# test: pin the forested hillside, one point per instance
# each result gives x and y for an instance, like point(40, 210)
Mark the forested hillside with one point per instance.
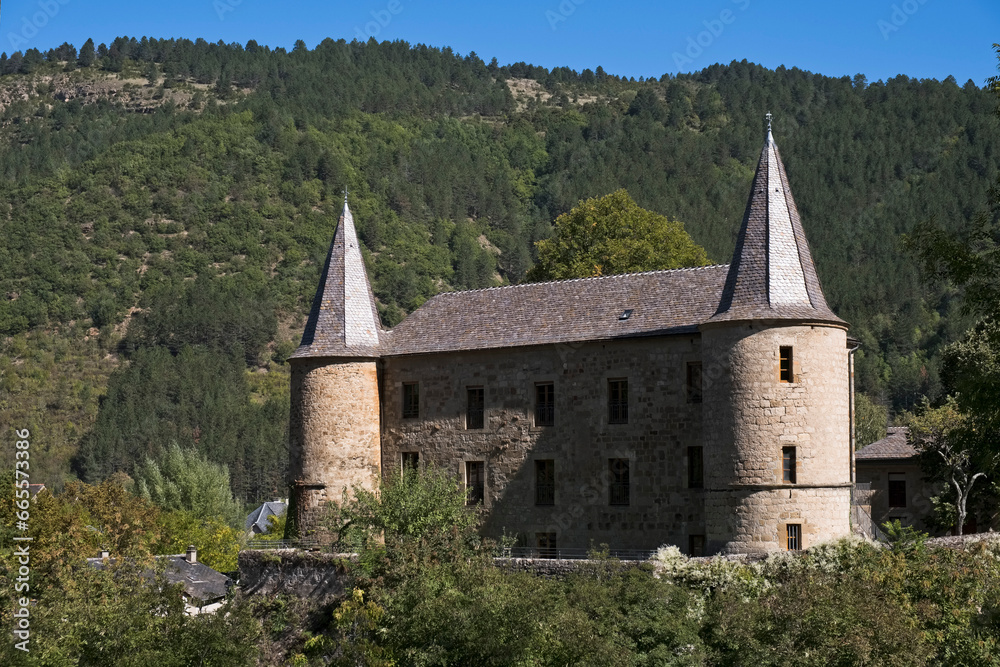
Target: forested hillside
point(169, 204)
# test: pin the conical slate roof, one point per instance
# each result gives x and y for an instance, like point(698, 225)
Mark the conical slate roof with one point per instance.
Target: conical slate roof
point(772, 275)
point(343, 321)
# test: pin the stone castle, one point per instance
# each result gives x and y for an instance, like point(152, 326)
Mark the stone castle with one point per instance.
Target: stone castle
point(709, 408)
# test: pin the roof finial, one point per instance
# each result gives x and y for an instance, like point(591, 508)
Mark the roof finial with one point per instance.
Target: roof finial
point(768, 117)
point(345, 195)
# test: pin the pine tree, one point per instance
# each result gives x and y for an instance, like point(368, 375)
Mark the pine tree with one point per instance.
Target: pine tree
point(86, 58)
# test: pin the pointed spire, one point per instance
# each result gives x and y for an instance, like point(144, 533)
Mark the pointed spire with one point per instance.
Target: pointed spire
point(772, 274)
point(343, 321)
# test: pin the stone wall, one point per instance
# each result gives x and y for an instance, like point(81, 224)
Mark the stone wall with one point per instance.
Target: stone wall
point(661, 425)
point(333, 433)
point(755, 521)
point(324, 576)
point(321, 576)
point(748, 413)
point(918, 492)
point(754, 415)
point(557, 568)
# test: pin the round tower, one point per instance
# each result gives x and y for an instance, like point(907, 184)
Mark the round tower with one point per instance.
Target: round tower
point(334, 429)
point(776, 388)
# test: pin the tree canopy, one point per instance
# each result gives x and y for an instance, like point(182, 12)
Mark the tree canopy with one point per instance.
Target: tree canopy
point(611, 235)
point(183, 479)
point(196, 211)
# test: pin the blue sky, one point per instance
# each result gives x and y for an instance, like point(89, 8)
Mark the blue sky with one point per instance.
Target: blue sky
point(878, 38)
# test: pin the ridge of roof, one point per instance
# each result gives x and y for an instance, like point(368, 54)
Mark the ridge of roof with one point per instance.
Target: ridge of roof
point(576, 280)
point(629, 305)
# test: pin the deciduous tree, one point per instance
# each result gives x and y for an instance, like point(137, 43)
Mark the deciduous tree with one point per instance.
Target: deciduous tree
point(610, 235)
point(183, 479)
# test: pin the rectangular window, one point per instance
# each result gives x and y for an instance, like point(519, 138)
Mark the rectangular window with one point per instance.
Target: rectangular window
point(619, 489)
point(785, 365)
point(696, 545)
point(617, 401)
point(788, 465)
point(793, 536)
point(546, 544)
point(545, 404)
point(411, 400)
point(475, 482)
point(411, 461)
point(696, 468)
point(545, 482)
point(694, 382)
point(474, 407)
point(897, 489)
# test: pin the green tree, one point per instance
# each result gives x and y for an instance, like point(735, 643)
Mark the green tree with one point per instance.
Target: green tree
point(611, 235)
point(128, 614)
point(814, 618)
point(210, 312)
point(966, 257)
point(951, 453)
point(87, 56)
point(184, 479)
point(870, 419)
point(152, 74)
point(218, 543)
point(972, 371)
point(416, 505)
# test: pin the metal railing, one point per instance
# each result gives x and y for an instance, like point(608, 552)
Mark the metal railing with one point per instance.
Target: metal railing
point(508, 552)
point(862, 493)
point(863, 523)
point(259, 544)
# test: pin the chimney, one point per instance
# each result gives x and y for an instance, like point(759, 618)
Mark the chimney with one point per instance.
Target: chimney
point(192, 555)
point(104, 554)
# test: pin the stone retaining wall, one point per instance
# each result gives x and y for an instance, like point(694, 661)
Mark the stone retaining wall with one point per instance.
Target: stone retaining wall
point(294, 572)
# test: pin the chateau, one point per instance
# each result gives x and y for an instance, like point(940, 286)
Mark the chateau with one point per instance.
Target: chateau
point(710, 408)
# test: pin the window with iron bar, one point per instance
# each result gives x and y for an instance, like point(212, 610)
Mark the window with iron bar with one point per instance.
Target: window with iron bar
point(545, 482)
point(474, 410)
point(619, 490)
point(617, 401)
point(694, 382)
point(793, 535)
point(545, 404)
point(475, 482)
point(411, 400)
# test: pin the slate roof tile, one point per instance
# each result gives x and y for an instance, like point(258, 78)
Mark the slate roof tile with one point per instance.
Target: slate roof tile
point(772, 277)
point(662, 302)
point(261, 514)
point(198, 580)
point(343, 321)
point(894, 446)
